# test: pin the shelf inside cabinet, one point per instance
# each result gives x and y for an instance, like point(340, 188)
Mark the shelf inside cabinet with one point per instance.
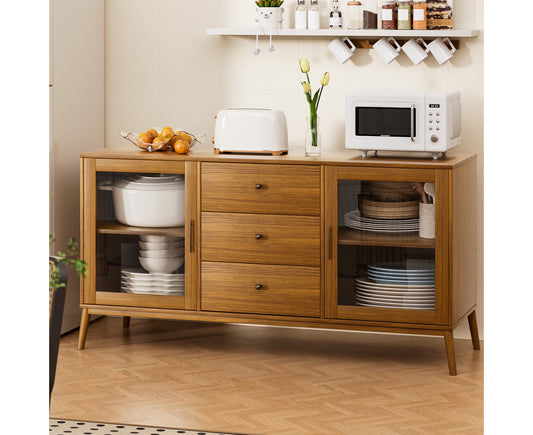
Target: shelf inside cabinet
point(114, 227)
point(364, 238)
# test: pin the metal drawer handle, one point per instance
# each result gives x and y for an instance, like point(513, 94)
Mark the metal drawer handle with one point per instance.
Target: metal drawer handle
point(258, 186)
point(258, 236)
point(258, 286)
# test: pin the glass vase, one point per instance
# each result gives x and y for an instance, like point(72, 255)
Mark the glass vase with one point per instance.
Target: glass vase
point(312, 137)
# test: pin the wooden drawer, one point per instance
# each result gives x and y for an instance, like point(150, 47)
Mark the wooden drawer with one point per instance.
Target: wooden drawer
point(265, 239)
point(260, 188)
point(261, 289)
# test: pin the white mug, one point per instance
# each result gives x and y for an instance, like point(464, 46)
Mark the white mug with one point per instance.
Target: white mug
point(388, 49)
point(413, 49)
point(442, 49)
point(342, 48)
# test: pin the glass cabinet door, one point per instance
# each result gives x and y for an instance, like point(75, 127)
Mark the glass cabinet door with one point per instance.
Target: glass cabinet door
point(142, 255)
point(383, 246)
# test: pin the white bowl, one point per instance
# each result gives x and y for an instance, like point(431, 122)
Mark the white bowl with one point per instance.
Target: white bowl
point(159, 239)
point(158, 246)
point(163, 253)
point(161, 265)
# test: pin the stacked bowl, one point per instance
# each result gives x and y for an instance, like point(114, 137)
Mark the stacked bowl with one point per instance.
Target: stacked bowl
point(161, 254)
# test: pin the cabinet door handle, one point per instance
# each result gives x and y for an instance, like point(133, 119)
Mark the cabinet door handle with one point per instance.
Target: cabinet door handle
point(258, 186)
point(191, 236)
point(258, 286)
point(413, 123)
point(258, 236)
point(330, 245)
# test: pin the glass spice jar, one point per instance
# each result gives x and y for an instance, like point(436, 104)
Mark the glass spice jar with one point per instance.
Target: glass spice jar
point(370, 14)
point(389, 14)
point(354, 15)
point(404, 15)
point(419, 15)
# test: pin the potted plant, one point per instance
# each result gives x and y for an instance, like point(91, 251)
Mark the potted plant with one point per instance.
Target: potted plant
point(269, 14)
point(58, 268)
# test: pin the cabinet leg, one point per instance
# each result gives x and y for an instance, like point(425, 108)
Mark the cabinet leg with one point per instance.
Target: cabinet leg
point(126, 321)
point(450, 353)
point(472, 322)
point(84, 325)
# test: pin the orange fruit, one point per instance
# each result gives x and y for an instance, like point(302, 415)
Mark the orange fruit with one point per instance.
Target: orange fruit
point(181, 135)
point(158, 139)
point(153, 132)
point(146, 137)
point(181, 146)
point(166, 132)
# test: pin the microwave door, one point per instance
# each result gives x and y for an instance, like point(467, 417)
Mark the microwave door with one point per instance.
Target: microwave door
point(388, 127)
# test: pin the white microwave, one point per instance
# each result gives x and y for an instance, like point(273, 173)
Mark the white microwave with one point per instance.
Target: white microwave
point(403, 121)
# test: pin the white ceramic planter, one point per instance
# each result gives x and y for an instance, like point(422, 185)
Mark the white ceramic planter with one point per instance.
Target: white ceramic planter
point(270, 18)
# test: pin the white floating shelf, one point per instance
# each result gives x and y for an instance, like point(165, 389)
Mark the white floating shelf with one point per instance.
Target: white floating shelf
point(356, 34)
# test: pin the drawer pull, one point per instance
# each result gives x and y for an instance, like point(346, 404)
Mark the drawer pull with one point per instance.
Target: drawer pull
point(258, 286)
point(258, 236)
point(258, 186)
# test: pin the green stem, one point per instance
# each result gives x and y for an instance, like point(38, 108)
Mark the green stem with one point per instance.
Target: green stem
point(319, 96)
point(313, 125)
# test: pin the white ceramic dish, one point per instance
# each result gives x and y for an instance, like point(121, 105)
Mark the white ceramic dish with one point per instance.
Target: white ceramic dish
point(163, 253)
point(159, 239)
point(150, 201)
point(148, 286)
point(158, 246)
point(161, 293)
point(407, 287)
point(391, 297)
point(161, 265)
point(404, 306)
point(140, 274)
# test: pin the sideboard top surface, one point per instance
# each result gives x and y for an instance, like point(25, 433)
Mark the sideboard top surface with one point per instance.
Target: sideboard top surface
point(341, 157)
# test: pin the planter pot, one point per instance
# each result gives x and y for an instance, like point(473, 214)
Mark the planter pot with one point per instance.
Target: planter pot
point(269, 18)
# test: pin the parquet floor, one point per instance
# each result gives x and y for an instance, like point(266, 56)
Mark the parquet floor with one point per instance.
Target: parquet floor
point(259, 380)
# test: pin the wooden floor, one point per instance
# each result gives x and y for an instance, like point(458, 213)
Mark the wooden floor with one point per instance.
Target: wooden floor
point(259, 380)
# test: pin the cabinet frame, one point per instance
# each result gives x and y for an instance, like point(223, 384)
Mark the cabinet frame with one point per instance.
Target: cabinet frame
point(455, 243)
point(106, 301)
point(438, 316)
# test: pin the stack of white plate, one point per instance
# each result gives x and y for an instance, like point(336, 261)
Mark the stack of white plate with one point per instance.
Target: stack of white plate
point(137, 280)
point(353, 219)
point(408, 284)
point(161, 254)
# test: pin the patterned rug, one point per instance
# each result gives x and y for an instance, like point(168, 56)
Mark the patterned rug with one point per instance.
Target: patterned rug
point(72, 427)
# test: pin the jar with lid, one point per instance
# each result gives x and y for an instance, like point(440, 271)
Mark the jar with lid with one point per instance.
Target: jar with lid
point(404, 15)
point(354, 15)
point(389, 14)
point(419, 14)
point(300, 15)
point(370, 14)
point(313, 16)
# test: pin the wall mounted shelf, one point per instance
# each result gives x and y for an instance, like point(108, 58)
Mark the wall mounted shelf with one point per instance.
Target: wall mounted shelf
point(356, 34)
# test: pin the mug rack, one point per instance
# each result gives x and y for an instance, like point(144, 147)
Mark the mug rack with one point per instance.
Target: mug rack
point(369, 43)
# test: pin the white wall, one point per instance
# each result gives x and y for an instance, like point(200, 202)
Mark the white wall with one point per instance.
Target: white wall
point(161, 68)
point(76, 120)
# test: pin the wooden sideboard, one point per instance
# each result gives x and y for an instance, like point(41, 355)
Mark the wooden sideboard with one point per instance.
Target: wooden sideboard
point(266, 242)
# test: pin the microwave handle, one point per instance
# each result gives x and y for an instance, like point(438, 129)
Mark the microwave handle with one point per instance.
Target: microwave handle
point(412, 123)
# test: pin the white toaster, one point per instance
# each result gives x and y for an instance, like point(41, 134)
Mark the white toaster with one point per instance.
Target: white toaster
point(262, 131)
